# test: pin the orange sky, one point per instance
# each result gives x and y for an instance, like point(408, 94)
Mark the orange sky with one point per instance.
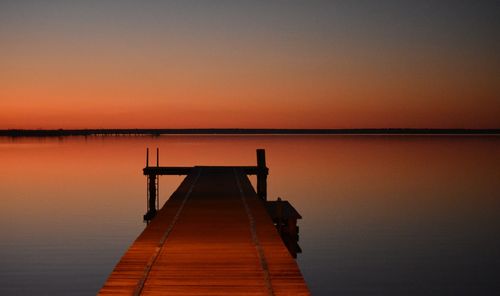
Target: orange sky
point(87, 66)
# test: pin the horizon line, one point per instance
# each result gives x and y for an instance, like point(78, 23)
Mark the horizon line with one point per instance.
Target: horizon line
point(243, 131)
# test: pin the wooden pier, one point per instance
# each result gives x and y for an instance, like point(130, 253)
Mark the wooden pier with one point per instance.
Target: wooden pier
point(214, 236)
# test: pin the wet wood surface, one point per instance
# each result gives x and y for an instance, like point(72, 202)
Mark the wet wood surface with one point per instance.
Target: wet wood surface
point(212, 237)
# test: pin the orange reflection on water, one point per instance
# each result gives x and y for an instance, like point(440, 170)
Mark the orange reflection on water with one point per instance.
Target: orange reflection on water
point(368, 202)
point(349, 163)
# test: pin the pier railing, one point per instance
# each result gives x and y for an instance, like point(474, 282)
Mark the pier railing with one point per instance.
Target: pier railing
point(153, 173)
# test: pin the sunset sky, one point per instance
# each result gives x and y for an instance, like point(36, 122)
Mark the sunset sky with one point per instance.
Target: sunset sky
point(249, 64)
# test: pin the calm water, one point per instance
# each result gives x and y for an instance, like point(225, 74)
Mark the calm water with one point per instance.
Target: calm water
point(382, 215)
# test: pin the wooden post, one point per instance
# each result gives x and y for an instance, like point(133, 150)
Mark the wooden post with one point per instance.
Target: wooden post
point(152, 180)
point(262, 174)
point(157, 184)
point(152, 193)
point(157, 156)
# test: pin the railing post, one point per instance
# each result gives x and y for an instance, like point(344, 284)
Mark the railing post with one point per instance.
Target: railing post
point(157, 184)
point(152, 193)
point(262, 172)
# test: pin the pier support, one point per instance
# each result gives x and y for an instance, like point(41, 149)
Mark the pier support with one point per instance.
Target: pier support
point(153, 184)
point(262, 172)
point(151, 198)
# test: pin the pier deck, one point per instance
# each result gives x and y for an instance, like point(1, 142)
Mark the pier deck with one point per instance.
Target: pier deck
point(212, 237)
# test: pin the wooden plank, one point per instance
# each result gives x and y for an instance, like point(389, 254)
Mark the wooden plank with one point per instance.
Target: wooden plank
point(152, 170)
point(212, 237)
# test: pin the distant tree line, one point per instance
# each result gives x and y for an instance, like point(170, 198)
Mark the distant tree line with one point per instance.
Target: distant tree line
point(239, 131)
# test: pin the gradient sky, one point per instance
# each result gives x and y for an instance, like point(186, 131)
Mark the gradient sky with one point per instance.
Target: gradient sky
point(289, 64)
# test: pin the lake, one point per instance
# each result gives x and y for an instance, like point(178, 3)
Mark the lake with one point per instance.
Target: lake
point(382, 215)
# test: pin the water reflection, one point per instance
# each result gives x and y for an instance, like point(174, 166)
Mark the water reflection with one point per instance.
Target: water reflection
point(382, 215)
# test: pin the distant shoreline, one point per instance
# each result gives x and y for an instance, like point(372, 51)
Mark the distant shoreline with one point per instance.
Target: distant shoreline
point(238, 131)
